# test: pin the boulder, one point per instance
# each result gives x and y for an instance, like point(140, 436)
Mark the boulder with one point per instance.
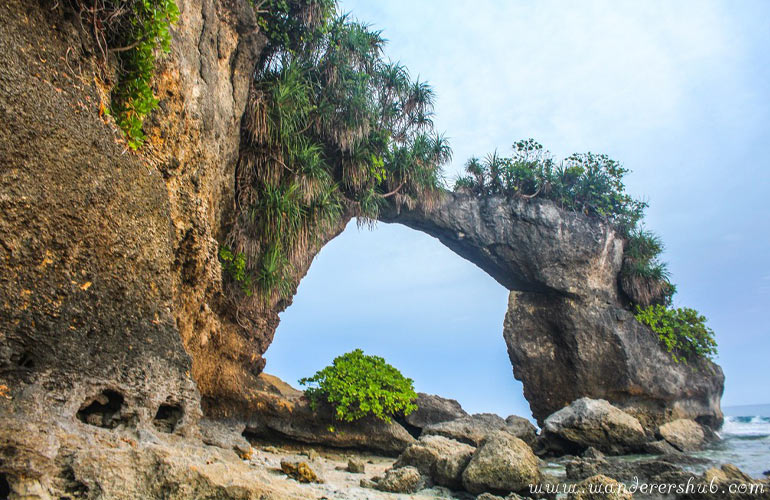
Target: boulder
point(356, 466)
point(402, 480)
point(473, 429)
point(621, 469)
point(300, 471)
point(503, 463)
point(440, 458)
point(595, 422)
point(661, 447)
point(522, 429)
point(683, 434)
point(599, 487)
point(432, 409)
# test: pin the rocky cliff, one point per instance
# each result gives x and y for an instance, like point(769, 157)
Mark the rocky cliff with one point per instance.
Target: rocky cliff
point(114, 320)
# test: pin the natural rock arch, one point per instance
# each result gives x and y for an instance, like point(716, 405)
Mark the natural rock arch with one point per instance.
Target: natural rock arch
point(568, 330)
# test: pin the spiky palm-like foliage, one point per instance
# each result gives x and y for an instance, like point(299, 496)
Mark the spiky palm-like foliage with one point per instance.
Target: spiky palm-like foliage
point(644, 278)
point(588, 183)
point(331, 129)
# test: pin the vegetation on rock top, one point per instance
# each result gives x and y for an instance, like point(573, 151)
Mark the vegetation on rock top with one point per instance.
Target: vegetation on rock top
point(358, 385)
point(592, 184)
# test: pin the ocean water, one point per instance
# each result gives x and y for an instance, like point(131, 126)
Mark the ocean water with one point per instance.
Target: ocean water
point(745, 440)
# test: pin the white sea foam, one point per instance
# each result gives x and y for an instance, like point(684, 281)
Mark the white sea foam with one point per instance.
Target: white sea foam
point(746, 426)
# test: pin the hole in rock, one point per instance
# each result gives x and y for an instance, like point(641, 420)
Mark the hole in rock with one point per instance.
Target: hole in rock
point(103, 410)
point(167, 417)
point(71, 485)
point(24, 360)
point(401, 294)
point(5, 488)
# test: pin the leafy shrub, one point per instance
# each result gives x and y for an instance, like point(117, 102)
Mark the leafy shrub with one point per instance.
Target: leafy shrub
point(644, 278)
point(357, 385)
point(235, 267)
point(682, 331)
point(134, 30)
point(132, 97)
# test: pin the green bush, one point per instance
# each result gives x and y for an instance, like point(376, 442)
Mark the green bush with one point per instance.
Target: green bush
point(234, 266)
point(357, 385)
point(682, 331)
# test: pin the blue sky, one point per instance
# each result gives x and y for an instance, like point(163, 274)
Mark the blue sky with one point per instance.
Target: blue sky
point(677, 91)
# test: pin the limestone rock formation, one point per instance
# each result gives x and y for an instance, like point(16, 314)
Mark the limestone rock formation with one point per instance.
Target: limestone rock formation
point(402, 480)
point(600, 487)
point(440, 458)
point(568, 331)
point(595, 422)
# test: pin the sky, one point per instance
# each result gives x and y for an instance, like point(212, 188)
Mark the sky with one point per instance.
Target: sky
point(679, 92)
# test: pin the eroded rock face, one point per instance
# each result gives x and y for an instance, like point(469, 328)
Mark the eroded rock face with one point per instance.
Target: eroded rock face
point(108, 255)
point(568, 331)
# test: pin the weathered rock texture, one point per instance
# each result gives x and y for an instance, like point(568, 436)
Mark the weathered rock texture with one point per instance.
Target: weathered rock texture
point(472, 429)
point(568, 331)
point(109, 277)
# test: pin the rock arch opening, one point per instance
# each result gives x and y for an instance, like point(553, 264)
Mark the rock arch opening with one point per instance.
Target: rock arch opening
point(401, 294)
point(568, 329)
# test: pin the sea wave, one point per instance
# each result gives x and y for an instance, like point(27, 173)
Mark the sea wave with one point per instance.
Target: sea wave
point(745, 427)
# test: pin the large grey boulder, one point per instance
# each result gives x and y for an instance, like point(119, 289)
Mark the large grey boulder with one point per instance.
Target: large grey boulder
point(521, 428)
point(432, 409)
point(503, 463)
point(440, 458)
point(473, 429)
point(683, 434)
point(595, 422)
